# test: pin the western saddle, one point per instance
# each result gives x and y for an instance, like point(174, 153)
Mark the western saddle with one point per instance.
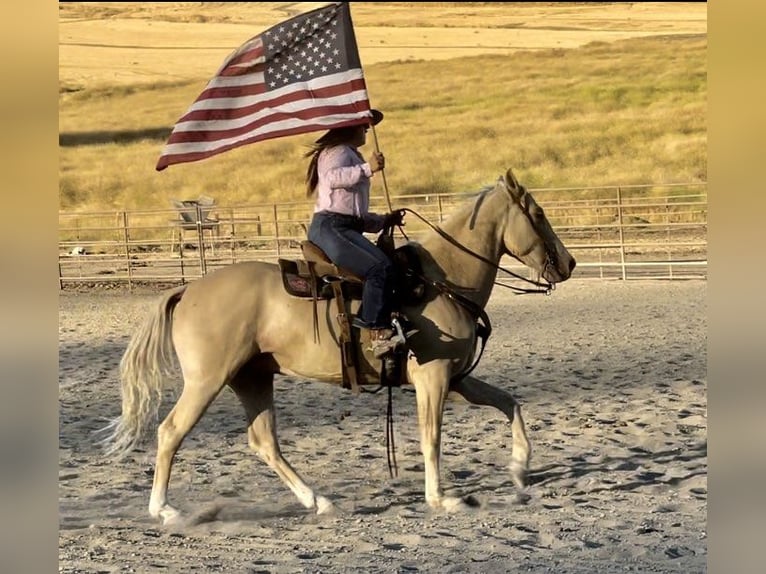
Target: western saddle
point(316, 277)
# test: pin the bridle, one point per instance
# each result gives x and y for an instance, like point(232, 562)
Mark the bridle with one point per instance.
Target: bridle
point(544, 288)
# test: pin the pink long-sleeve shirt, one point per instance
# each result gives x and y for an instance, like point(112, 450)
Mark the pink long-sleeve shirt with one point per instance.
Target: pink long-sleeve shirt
point(343, 185)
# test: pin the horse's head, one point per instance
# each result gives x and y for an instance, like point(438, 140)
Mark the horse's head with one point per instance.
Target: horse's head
point(528, 236)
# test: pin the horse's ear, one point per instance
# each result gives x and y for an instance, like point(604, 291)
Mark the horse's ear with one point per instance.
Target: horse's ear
point(513, 185)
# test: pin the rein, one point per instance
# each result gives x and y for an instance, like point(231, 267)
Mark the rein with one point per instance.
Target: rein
point(483, 329)
point(544, 288)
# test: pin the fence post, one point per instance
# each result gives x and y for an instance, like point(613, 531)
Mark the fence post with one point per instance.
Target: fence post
point(201, 242)
point(668, 238)
point(181, 260)
point(621, 232)
point(233, 234)
point(276, 230)
point(439, 206)
point(599, 223)
point(126, 238)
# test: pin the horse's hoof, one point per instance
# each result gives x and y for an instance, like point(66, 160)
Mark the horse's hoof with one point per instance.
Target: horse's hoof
point(453, 504)
point(170, 516)
point(324, 506)
point(518, 474)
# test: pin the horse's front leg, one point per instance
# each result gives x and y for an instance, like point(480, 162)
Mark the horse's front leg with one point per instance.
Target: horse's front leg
point(431, 389)
point(478, 392)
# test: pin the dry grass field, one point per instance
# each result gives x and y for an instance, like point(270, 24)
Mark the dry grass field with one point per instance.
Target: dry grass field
point(102, 44)
point(566, 94)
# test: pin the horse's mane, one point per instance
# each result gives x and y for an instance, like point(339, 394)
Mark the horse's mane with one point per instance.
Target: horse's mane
point(481, 194)
point(417, 253)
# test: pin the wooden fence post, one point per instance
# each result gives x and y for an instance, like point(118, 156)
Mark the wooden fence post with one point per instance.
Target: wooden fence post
point(126, 238)
point(233, 237)
point(668, 236)
point(276, 229)
point(201, 242)
point(621, 233)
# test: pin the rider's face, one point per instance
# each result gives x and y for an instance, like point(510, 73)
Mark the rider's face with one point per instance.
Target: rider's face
point(360, 137)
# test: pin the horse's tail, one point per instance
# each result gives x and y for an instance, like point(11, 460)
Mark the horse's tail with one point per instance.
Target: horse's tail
point(146, 364)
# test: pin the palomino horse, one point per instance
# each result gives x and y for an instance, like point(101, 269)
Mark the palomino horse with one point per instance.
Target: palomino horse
point(239, 327)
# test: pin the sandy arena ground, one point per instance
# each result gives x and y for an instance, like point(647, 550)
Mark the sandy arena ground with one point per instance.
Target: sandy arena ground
point(612, 378)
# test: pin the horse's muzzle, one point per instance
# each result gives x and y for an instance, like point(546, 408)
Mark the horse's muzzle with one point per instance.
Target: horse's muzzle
point(560, 272)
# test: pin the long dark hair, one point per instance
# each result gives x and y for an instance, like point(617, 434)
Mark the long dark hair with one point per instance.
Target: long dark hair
point(335, 136)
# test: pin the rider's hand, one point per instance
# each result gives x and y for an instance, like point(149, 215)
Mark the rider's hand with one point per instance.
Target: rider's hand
point(394, 218)
point(376, 161)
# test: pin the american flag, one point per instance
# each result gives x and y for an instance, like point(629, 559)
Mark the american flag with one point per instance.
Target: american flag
point(299, 76)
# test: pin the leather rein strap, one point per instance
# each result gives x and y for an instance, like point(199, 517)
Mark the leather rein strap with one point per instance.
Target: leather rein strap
point(483, 324)
point(543, 288)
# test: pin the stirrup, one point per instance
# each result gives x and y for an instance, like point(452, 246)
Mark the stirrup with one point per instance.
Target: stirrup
point(382, 347)
point(399, 332)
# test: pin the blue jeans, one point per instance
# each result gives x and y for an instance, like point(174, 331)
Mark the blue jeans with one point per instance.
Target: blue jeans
point(340, 237)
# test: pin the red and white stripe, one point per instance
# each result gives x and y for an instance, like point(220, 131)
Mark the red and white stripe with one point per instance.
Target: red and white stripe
point(236, 108)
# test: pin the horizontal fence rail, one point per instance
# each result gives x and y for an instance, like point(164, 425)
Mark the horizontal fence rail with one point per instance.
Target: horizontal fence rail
point(614, 232)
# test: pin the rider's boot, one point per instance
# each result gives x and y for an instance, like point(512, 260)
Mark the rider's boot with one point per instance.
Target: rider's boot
point(384, 342)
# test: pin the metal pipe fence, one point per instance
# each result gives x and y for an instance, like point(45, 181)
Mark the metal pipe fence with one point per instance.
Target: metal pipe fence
point(614, 232)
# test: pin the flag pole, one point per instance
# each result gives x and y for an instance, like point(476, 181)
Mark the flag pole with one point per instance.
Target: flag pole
point(382, 171)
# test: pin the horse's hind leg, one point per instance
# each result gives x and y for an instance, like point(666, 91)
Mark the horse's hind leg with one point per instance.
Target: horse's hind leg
point(478, 392)
point(194, 400)
point(256, 392)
